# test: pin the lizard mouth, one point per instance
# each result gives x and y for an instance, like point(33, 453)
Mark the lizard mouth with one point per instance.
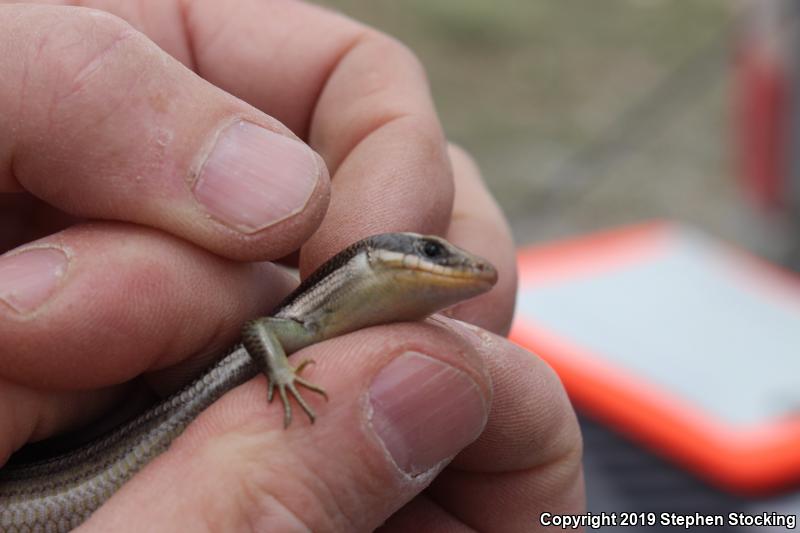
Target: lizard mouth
point(470, 269)
point(476, 271)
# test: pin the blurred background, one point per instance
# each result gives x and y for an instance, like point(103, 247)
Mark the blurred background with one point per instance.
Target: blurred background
point(586, 115)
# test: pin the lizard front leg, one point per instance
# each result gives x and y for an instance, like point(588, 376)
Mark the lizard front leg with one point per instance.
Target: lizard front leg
point(261, 338)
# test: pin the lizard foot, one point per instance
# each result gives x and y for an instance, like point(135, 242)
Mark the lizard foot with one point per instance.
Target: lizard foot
point(287, 380)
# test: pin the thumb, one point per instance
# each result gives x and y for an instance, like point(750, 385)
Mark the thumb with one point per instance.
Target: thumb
point(101, 123)
point(405, 399)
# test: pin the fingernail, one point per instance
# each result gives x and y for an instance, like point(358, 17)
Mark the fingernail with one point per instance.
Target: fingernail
point(425, 411)
point(254, 178)
point(29, 278)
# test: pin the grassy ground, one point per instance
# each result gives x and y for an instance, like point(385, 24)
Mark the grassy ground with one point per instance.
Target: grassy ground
point(584, 114)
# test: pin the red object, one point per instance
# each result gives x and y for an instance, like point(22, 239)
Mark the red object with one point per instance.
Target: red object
point(762, 109)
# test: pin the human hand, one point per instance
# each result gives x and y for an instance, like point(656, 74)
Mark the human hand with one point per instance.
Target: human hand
point(147, 290)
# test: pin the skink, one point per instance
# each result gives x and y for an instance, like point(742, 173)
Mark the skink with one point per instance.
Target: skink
point(384, 278)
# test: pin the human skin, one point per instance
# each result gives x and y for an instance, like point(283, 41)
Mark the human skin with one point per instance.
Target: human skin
point(152, 162)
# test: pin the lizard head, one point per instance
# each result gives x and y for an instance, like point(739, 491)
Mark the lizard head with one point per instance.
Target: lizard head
point(430, 263)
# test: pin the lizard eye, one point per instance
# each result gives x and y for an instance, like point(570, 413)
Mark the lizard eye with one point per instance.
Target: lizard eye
point(432, 249)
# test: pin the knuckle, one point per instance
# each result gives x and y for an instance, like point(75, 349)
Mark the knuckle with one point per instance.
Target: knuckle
point(396, 52)
point(390, 62)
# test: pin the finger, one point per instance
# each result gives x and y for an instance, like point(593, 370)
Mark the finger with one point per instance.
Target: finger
point(478, 225)
point(100, 303)
point(28, 415)
point(360, 98)
point(404, 399)
point(111, 127)
point(528, 459)
point(391, 170)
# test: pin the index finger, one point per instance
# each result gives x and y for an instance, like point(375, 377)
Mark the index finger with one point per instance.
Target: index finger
point(358, 97)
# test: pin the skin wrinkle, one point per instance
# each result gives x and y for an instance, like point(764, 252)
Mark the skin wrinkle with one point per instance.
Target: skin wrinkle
point(213, 520)
point(174, 342)
point(123, 97)
point(403, 182)
point(139, 10)
point(131, 285)
point(298, 113)
point(40, 424)
point(338, 510)
point(552, 423)
point(6, 306)
point(379, 124)
point(41, 50)
point(255, 522)
point(335, 65)
point(457, 478)
point(98, 61)
point(13, 423)
point(339, 504)
point(310, 483)
point(17, 118)
point(31, 425)
point(461, 526)
point(570, 456)
point(44, 421)
point(130, 88)
point(443, 520)
point(258, 490)
point(209, 41)
point(188, 33)
point(217, 337)
point(12, 174)
point(82, 79)
point(246, 91)
point(377, 121)
point(552, 472)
